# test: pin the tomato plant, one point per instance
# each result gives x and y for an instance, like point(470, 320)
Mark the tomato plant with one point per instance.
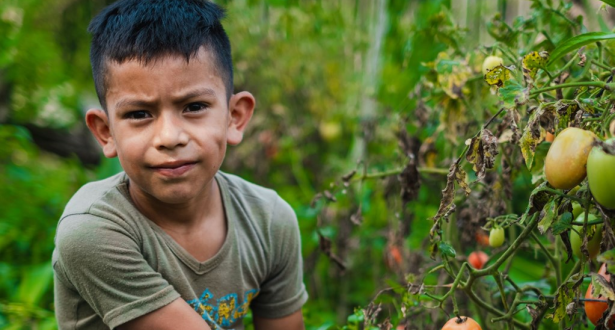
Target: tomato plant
point(461, 323)
point(601, 176)
point(507, 141)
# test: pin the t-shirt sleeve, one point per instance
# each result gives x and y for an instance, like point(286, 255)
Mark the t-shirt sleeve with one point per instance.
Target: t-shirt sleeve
point(283, 292)
point(102, 261)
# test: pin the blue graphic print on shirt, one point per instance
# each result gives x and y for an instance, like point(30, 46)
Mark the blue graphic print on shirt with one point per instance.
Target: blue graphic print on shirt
point(225, 311)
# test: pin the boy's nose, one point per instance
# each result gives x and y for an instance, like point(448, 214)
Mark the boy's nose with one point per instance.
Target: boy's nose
point(170, 132)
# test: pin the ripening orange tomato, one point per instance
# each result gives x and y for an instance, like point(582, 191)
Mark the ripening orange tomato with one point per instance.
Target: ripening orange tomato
point(482, 238)
point(567, 157)
point(461, 323)
point(595, 309)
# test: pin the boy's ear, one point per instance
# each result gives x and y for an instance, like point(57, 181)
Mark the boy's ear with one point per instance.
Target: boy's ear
point(98, 122)
point(241, 108)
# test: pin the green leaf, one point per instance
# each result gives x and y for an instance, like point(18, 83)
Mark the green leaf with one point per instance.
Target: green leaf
point(609, 2)
point(608, 257)
point(578, 42)
point(562, 224)
point(549, 216)
point(447, 250)
point(538, 165)
point(513, 93)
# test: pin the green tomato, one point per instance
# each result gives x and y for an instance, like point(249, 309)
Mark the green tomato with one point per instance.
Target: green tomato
point(601, 177)
point(491, 62)
point(496, 237)
point(576, 209)
point(593, 246)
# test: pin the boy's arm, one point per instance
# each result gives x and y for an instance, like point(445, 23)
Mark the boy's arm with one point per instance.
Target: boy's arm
point(278, 304)
point(102, 262)
point(291, 322)
point(176, 315)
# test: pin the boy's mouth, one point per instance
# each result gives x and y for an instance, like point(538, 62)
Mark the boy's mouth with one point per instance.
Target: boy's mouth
point(173, 169)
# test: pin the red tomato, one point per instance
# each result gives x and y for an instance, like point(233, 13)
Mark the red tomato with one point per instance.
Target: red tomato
point(478, 259)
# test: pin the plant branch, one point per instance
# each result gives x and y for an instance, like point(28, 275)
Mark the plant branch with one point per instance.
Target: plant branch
point(600, 65)
point(599, 84)
point(384, 174)
point(557, 192)
point(554, 262)
point(563, 69)
point(492, 309)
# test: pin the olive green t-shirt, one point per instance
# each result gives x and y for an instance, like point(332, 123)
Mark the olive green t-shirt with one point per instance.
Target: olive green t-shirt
point(112, 264)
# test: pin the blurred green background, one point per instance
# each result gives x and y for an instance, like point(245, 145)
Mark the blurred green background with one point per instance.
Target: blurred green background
point(334, 82)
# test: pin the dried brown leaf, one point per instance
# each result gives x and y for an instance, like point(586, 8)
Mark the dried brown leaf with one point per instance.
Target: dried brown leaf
point(482, 152)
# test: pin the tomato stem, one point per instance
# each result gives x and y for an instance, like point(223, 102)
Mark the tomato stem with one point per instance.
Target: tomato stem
point(514, 246)
point(600, 65)
point(563, 69)
point(599, 84)
point(557, 192)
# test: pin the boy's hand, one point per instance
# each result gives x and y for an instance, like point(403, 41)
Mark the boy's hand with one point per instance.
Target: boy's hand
point(176, 315)
point(291, 322)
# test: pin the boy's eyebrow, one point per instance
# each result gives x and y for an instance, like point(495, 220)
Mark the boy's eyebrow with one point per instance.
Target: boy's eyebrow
point(195, 93)
point(141, 103)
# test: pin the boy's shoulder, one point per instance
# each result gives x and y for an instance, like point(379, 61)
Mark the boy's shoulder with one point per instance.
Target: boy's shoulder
point(93, 193)
point(244, 188)
point(256, 202)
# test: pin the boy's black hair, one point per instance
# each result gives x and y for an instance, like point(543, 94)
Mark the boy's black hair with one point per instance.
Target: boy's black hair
point(146, 30)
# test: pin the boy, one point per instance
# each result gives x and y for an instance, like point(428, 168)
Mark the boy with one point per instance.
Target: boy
point(172, 235)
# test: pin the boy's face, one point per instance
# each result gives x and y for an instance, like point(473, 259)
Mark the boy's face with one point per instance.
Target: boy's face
point(169, 122)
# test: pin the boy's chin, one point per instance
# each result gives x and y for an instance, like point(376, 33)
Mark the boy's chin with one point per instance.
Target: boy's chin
point(176, 197)
point(169, 196)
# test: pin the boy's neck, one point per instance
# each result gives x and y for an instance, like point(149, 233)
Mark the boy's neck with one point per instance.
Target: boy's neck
point(180, 217)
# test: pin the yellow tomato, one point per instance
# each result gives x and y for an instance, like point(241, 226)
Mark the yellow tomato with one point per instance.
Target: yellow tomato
point(491, 62)
point(567, 157)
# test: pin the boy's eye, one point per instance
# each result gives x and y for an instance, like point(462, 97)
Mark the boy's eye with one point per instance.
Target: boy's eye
point(194, 107)
point(141, 114)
